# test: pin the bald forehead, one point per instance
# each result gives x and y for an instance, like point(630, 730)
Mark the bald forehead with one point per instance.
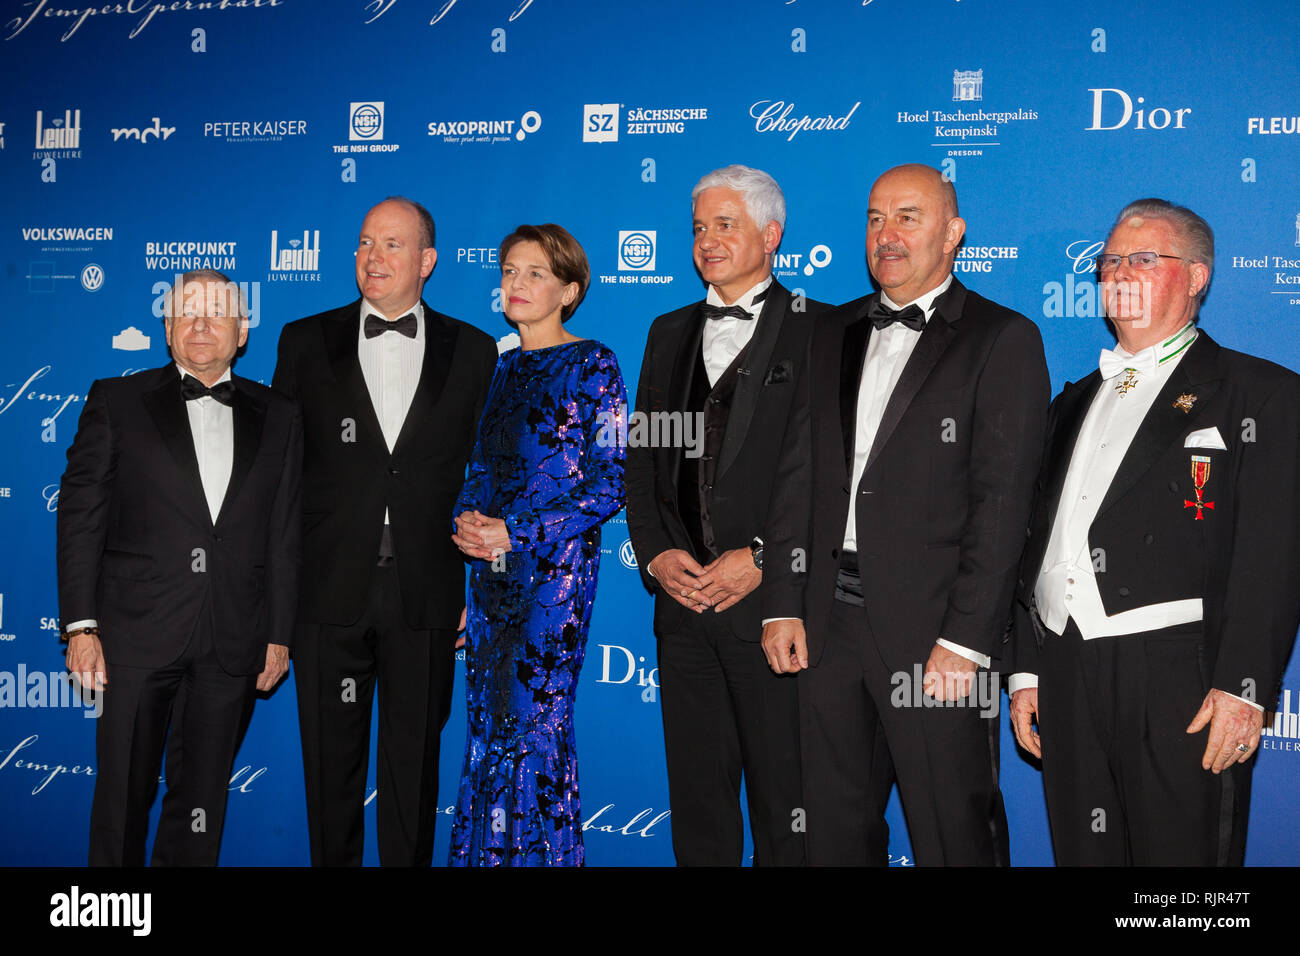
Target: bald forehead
point(925, 180)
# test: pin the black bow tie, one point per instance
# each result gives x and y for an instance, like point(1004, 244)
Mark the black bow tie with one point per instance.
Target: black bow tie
point(882, 316)
point(726, 311)
point(192, 388)
point(377, 326)
point(733, 311)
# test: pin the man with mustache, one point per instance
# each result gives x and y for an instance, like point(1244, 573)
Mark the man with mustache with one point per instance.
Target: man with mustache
point(904, 489)
point(1158, 598)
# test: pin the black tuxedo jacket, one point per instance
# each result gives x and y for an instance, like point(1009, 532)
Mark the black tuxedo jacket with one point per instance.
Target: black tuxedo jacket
point(350, 477)
point(944, 499)
point(748, 461)
point(138, 550)
point(1242, 559)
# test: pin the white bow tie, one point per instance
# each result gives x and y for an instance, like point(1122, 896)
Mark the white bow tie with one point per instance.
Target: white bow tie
point(1111, 363)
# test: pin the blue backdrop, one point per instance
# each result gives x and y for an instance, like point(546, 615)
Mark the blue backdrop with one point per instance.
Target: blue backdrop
point(139, 139)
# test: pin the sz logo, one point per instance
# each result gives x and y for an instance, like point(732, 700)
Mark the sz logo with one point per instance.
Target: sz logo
point(636, 250)
point(627, 555)
point(366, 121)
point(600, 123)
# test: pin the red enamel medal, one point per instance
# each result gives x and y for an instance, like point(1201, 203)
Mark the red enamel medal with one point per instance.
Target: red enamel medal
point(1200, 475)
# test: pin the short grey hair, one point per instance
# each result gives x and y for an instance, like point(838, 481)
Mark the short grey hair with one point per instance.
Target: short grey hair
point(764, 200)
point(1195, 237)
point(202, 277)
point(428, 231)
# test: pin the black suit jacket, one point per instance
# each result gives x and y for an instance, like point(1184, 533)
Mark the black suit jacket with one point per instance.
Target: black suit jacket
point(1242, 560)
point(138, 550)
point(943, 503)
point(748, 461)
point(350, 477)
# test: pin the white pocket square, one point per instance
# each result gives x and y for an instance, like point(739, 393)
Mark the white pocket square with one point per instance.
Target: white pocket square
point(1205, 438)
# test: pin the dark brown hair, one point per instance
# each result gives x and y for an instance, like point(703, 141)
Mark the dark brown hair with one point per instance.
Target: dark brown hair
point(564, 254)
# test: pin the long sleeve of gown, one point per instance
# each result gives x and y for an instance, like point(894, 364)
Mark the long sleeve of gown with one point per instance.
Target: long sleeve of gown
point(569, 493)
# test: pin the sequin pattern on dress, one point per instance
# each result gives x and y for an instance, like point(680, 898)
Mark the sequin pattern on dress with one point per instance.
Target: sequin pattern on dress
point(548, 462)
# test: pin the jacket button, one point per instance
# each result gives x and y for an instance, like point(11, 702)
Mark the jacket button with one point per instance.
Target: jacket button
point(1123, 592)
point(835, 552)
point(216, 538)
point(1173, 486)
point(1148, 538)
point(394, 472)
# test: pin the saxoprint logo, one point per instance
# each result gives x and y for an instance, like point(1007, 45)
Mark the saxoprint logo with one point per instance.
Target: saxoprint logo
point(627, 555)
point(601, 122)
point(487, 130)
point(636, 250)
point(792, 263)
point(366, 121)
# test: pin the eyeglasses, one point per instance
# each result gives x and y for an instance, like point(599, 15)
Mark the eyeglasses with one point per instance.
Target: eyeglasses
point(1137, 260)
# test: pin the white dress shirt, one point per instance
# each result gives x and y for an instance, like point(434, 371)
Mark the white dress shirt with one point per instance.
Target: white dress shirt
point(725, 337)
point(212, 429)
point(391, 365)
point(1066, 587)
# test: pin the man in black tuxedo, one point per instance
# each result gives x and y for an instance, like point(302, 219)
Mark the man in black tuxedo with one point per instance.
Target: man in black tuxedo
point(178, 543)
point(724, 368)
point(1158, 592)
point(391, 393)
point(905, 479)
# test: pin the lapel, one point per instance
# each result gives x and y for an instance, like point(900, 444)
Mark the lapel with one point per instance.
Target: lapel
point(167, 408)
point(439, 340)
point(750, 383)
point(1071, 409)
point(1198, 374)
point(341, 332)
point(853, 349)
point(934, 341)
point(249, 418)
point(687, 358)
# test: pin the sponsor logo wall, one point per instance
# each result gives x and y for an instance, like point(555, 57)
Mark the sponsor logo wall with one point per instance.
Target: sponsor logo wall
point(1047, 122)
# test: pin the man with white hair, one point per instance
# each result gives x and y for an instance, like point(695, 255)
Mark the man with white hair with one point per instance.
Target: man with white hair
point(696, 511)
point(1158, 598)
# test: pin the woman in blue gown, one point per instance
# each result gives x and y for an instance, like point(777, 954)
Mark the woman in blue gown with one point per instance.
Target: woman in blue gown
point(547, 469)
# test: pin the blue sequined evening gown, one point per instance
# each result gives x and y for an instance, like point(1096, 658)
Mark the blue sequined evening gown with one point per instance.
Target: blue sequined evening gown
point(543, 462)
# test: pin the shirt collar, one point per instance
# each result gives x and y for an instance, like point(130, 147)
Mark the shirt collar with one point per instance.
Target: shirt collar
point(746, 301)
point(418, 309)
point(1166, 351)
point(924, 302)
point(225, 376)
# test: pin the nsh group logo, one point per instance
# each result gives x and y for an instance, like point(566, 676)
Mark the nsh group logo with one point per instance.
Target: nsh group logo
point(487, 130)
point(602, 122)
point(637, 254)
point(366, 129)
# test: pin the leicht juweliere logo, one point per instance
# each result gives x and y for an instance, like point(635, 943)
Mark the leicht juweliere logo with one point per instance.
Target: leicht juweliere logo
point(295, 258)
